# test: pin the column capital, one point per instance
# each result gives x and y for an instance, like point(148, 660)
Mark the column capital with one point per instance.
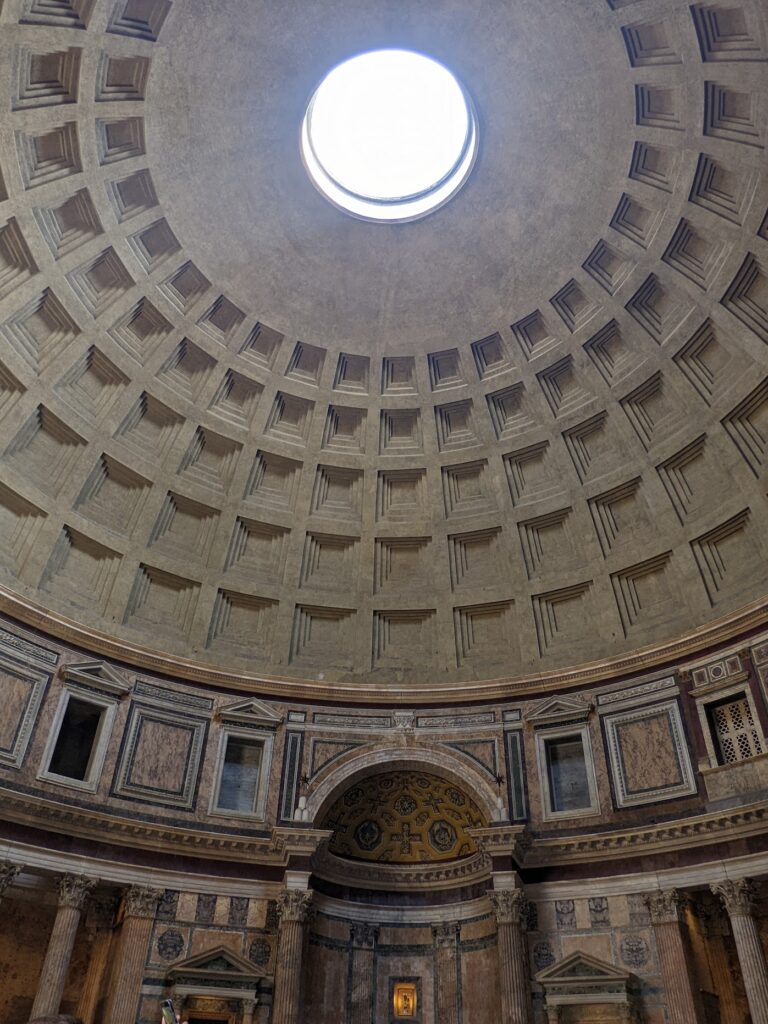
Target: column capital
point(74, 890)
point(141, 901)
point(364, 935)
point(509, 905)
point(295, 905)
point(8, 871)
point(446, 934)
point(738, 896)
point(664, 905)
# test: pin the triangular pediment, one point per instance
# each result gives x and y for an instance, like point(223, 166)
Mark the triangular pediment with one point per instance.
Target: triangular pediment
point(215, 964)
point(252, 711)
point(581, 967)
point(98, 675)
point(559, 709)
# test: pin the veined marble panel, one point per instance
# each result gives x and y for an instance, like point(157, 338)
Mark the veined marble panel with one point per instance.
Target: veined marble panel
point(648, 755)
point(161, 755)
point(21, 690)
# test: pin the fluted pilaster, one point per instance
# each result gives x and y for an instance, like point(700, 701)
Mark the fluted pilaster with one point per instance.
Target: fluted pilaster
point(99, 922)
point(665, 908)
point(294, 908)
point(131, 956)
point(510, 907)
point(363, 951)
point(73, 892)
point(446, 939)
point(738, 898)
point(249, 1009)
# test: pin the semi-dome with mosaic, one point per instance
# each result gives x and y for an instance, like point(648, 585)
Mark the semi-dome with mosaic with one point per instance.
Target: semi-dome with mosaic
point(403, 818)
point(249, 437)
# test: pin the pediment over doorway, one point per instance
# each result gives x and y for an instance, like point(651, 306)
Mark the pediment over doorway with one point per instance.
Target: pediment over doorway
point(583, 988)
point(581, 967)
point(215, 966)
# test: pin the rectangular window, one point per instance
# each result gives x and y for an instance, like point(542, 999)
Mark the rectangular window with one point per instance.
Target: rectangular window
point(733, 729)
point(78, 732)
point(567, 774)
point(240, 775)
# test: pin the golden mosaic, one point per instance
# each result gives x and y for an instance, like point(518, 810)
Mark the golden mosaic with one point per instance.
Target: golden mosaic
point(403, 818)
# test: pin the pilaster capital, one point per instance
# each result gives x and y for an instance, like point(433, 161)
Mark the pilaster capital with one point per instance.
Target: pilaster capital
point(141, 901)
point(738, 896)
point(295, 905)
point(8, 871)
point(446, 934)
point(510, 906)
point(101, 913)
point(74, 890)
point(664, 905)
point(363, 935)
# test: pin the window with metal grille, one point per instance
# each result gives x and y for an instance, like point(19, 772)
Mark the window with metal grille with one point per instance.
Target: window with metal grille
point(733, 730)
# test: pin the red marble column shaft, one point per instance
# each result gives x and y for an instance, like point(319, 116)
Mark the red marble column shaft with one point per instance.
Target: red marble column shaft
point(73, 892)
point(99, 921)
point(683, 1004)
point(131, 954)
point(294, 909)
point(739, 900)
point(514, 982)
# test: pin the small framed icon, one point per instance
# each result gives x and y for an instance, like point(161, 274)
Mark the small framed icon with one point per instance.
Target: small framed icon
point(404, 1000)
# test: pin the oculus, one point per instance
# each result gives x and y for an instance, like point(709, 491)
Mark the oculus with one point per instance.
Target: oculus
point(389, 135)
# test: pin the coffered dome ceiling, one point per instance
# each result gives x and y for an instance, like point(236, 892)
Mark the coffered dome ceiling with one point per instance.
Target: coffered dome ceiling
point(244, 430)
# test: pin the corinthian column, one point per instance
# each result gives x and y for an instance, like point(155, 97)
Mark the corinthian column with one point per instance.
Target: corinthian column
point(294, 908)
point(446, 937)
point(363, 938)
point(8, 871)
point(98, 922)
point(128, 969)
point(73, 892)
point(665, 908)
point(509, 906)
point(739, 900)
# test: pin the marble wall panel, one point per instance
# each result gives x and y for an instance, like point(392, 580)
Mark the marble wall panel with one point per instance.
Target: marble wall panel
point(21, 691)
point(160, 757)
point(648, 754)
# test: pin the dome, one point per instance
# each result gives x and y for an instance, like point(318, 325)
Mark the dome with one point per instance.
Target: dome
point(383, 599)
point(248, 434)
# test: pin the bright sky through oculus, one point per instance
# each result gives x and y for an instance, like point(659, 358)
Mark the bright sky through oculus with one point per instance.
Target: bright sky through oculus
point(389, 135)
